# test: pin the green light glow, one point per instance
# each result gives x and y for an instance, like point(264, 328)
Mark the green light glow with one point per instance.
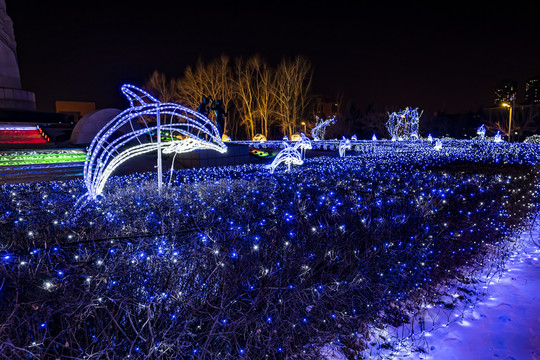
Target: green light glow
point(41, 158)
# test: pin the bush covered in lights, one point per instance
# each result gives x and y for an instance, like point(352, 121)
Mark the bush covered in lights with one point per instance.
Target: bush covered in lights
point(237, 263)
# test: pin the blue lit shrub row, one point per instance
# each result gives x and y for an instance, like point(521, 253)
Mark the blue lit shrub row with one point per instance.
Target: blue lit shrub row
point(235, 263)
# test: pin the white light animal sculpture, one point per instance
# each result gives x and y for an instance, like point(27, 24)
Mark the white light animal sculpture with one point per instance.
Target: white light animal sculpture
point(497, 138)
point(290, 155)
point(320, 128)
point(144, 124)
point(481, 132)
point(403, 125)
point(344, 144)
point(438, 145)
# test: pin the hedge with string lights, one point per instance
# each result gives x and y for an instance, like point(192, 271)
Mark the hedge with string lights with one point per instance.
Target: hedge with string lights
point(237, 263)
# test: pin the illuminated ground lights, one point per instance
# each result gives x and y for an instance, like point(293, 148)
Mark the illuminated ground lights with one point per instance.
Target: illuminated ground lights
point(234, 262)
point(110, 149)
point(39, 157)
point(25, 136)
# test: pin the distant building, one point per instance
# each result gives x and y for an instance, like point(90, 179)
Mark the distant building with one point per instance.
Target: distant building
point(325, 107)
point(74, 109)
point(532, 91)
point(505, 91)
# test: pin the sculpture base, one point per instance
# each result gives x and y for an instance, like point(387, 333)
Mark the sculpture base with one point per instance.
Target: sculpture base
point(16, 99)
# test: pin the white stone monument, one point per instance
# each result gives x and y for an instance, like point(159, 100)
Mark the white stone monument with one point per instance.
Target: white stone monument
point(12, 96)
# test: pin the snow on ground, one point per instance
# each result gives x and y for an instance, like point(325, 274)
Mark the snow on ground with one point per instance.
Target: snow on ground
point(504, 325)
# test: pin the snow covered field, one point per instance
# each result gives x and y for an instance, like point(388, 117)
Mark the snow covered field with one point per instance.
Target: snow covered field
point(504, 325)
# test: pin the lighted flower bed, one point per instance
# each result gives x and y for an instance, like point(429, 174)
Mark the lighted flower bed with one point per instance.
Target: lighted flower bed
point(235, 263)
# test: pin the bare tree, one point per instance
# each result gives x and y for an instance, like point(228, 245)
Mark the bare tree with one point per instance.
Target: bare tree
point(244, 90)
point(212, 80)
point(158, 85)
point(293, 83)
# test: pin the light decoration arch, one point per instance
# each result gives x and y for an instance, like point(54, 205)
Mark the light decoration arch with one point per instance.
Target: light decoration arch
point(184, 130)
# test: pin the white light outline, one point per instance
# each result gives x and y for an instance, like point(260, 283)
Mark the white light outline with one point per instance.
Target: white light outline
point(106, 154)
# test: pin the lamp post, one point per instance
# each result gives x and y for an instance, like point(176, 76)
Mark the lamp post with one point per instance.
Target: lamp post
point(303, 123)
point(510, 107)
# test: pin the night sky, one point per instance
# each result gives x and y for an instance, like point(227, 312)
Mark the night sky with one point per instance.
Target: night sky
point(448, 57)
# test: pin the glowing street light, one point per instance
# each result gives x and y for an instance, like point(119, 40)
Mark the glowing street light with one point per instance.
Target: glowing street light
point(510, 107)
point(304, 123)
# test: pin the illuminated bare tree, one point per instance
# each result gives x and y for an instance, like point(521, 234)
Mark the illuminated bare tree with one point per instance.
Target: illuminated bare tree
point(293, 83)
point(158, 85)
point(212, 80)
point(254, 89)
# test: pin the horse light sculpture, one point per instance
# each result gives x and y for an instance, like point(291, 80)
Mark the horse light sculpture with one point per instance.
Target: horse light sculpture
point(320, 128)
point(290, 155)
point(186, 130)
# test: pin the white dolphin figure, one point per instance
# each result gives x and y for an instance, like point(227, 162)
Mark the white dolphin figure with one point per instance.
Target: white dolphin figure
point(108, 150)
point(290, 155)
point(344, 144)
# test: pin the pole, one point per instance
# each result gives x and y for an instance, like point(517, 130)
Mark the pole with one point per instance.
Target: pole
point(159, 164)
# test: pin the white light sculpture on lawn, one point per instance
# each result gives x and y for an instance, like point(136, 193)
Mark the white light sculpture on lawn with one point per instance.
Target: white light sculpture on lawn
point(481, 132)
point(290, 155)
point(185, 129)
point(344, 144)
point(430, 138)
point(374, 137)
point(438, 145)
point(497, 138)
point(320, 127)
point(404, 124)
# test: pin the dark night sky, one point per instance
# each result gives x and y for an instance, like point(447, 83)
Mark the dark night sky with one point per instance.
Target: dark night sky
point(447, 57)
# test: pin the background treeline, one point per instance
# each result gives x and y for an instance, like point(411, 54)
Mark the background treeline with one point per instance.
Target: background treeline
point(258, 98)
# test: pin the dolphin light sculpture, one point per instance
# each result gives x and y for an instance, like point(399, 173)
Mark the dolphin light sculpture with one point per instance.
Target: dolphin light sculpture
point(290, 155)
point(344, 145)
point(186, 130)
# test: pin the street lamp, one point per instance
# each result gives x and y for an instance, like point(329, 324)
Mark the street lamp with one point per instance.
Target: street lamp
point(303, 123)
point(510, 107)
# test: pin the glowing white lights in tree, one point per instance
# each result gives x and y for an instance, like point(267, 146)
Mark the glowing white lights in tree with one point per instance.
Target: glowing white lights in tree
point(403, 125)
point(290, 155)
point(344, 145)
point(320, 128)
point(481, 132)
point(185, 130)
